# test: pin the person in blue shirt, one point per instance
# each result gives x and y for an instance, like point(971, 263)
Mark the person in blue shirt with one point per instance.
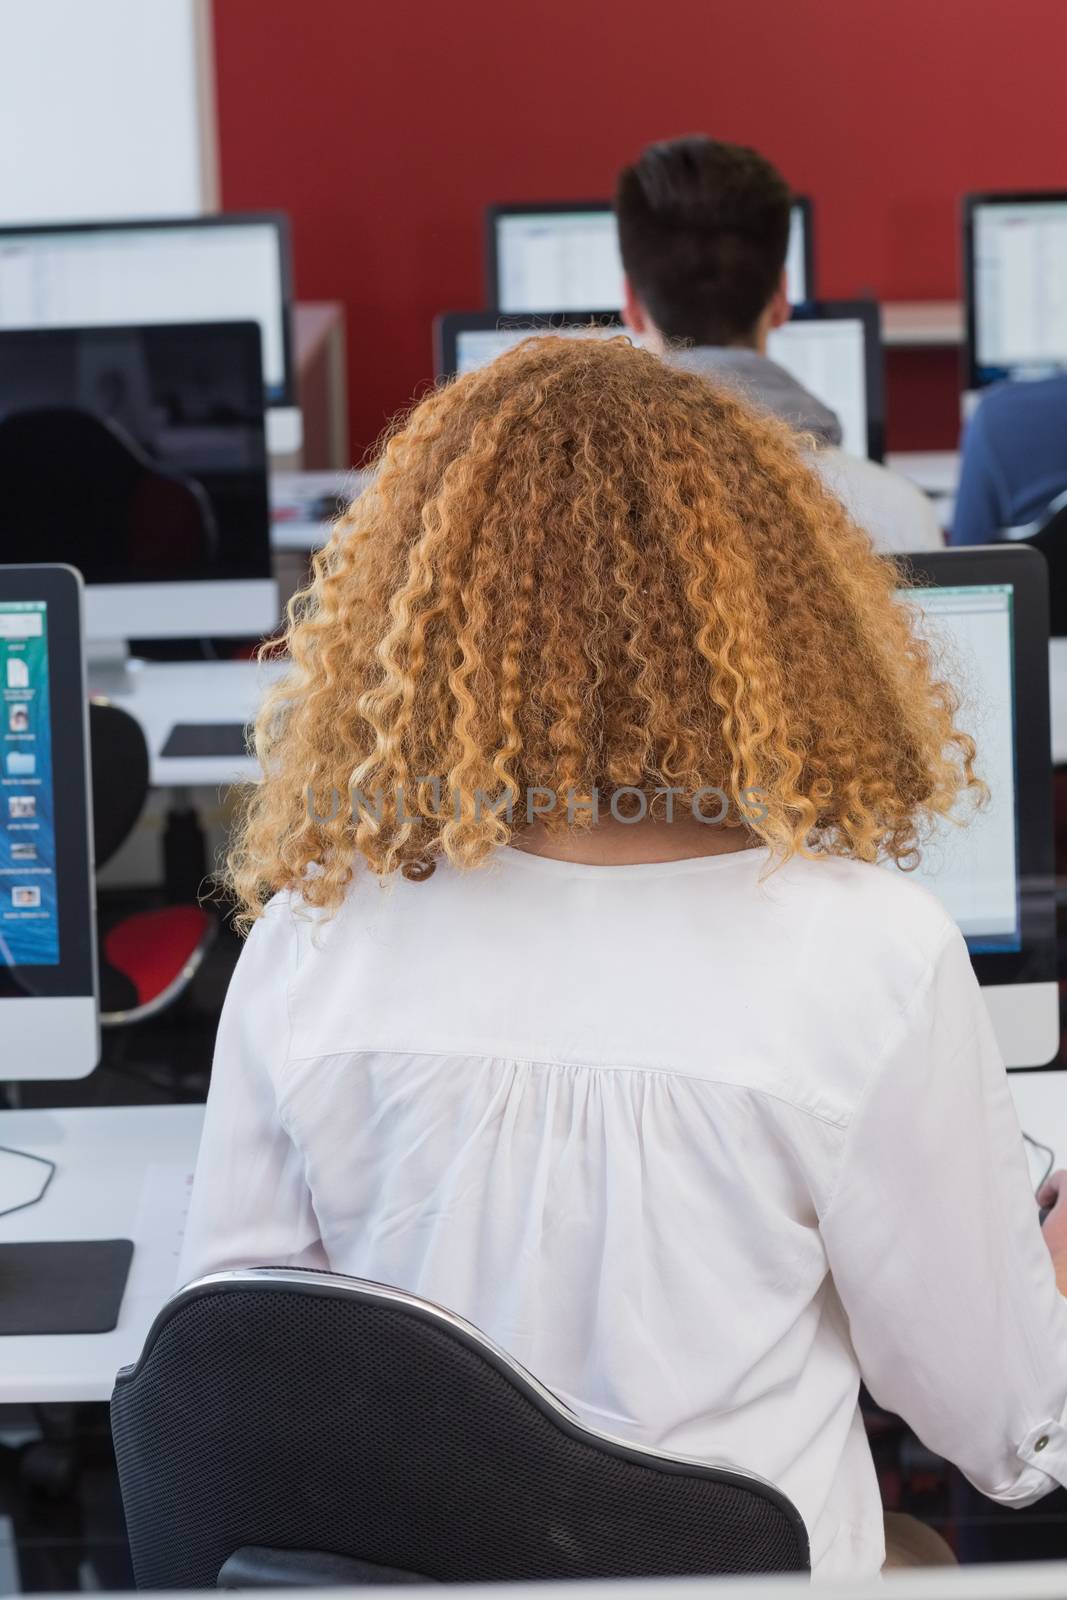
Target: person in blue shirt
point(1014, 460)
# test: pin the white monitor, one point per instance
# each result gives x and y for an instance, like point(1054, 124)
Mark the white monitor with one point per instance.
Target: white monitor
point(137, 456)
point(226, 268)
point(833, 347)
point(565, 256)
point(48, 1008)
point(828, 354)
point(981, 611)
point(1015, 264)
point(468, 341)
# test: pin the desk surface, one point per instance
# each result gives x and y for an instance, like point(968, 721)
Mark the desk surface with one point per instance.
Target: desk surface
point(936, 472)
point(922, 323)
point(301, 505)
point(163, 693)
point(1041, 1104)
point(121, 1173)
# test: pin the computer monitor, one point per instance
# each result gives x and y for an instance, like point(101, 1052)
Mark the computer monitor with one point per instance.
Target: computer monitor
point(233, 267)
point(48, 1006)
point(563, 255)
point(137, 455)
point(986, 612)
point(464, 340)
point(834, 348)
point(1015, 284)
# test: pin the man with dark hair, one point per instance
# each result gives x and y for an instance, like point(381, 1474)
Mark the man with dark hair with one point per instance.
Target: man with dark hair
point(704, 231)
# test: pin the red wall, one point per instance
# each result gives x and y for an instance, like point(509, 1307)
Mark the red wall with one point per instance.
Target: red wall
point(384, 129)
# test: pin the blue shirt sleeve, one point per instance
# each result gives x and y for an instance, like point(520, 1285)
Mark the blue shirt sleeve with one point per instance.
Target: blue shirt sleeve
point(981, 514)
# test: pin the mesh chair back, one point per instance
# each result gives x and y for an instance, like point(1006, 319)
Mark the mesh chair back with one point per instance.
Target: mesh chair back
point(306, 1412)
point(75, 481)
point(119, 757)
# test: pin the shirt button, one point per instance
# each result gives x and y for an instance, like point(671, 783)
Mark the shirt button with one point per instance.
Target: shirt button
point(1039, 1444)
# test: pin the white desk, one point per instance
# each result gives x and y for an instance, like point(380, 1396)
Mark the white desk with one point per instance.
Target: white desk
point(122, 1173)
point(921, 324)
point(296, 499)
point(936, 472)
point(164, 693)
point(1041, 1103)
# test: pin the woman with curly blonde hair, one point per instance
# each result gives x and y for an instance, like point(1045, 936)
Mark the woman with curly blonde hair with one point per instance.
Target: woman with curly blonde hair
point(584, 994)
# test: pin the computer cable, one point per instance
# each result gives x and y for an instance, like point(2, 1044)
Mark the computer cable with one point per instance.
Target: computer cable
point(1046, 1151)
point(42, 1161)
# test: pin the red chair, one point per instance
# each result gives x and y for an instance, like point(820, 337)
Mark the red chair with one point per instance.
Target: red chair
point(147, 960)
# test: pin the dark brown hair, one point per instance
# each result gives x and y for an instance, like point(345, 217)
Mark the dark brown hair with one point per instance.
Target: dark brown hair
point(704, 230)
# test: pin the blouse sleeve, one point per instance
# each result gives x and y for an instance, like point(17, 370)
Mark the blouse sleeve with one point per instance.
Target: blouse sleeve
point(250, 1204)
point(935, 1250)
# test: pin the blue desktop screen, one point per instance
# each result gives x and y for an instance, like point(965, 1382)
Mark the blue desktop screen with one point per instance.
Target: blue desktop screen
point(29, 921)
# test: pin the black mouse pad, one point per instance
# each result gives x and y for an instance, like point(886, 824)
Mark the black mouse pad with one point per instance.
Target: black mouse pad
point(205, 739)
point(75, 1286)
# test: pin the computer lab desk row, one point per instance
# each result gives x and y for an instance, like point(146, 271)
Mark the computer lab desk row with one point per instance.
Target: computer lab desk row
point(163, 694)
point(126, 1173)
point(298, 499)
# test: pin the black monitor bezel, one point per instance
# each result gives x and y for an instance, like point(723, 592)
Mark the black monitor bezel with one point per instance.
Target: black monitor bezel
point(251, 333)
point(276, 219)
point(450, 324)
point(971, 204)
point(869, 312)
point(75, 975)
point(1027, 572)
point(528, 208)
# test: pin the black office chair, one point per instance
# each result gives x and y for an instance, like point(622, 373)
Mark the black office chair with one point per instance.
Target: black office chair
point(74, 481)
point(147, 959)
point(1051, 539)
point(285, 1427)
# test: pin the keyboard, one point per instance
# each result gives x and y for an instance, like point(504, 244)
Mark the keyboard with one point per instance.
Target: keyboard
point(206, 739)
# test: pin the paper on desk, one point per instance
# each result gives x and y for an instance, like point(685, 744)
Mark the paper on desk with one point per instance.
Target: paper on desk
point(311, 496)
point(158, 1230)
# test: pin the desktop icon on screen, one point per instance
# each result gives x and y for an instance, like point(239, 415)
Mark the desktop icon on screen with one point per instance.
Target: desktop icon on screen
point(18, 717)
point(21, 806)
point(26, 897)
point(18, 673)
point(23, 852)
point(20, 764)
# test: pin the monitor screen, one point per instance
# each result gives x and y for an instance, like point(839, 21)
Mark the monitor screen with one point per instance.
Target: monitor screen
point(230, 270)
point(974, 870)
point(29, 913)
point(136, 455)
point(567, 258)
point(828, 356)
point(1018, 287)
point(477, 346)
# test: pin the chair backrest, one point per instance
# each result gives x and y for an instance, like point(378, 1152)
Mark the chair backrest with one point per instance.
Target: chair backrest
point(305, 1412)
point(75, 481)
point(1051, 540)
point(119, 759)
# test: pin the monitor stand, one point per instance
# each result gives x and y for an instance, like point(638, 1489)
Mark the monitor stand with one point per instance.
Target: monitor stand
point(107, 663)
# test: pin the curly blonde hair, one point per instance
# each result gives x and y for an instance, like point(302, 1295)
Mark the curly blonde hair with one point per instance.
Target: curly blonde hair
point(579, 569)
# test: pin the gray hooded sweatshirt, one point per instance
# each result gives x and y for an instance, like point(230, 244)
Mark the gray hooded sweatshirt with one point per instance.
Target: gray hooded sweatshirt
point(765, 384)
point(894, 512)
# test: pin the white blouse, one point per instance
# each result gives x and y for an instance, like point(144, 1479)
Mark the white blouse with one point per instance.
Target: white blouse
point(699, 1150)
